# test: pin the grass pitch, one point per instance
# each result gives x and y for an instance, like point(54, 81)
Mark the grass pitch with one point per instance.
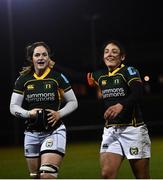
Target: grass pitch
point(81, 162)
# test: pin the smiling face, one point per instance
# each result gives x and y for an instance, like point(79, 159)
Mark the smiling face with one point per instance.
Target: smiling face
point(112, 56)
point(40, 59)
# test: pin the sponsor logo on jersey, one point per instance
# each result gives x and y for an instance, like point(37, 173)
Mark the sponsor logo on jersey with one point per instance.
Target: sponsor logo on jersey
point(113, 92)
point(134, 150)
point(103, 82)
point(30, 87)
point(38, 97)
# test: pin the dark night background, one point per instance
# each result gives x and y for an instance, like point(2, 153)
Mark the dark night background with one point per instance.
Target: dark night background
point(76, 31)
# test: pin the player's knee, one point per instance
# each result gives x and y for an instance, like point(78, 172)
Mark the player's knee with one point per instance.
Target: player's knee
point(48, 171)
point(108, 173)
point(34, 175)
point(104, 174)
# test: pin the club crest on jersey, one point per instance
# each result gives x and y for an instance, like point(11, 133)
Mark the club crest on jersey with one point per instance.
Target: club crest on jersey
point(49, 143)
point(103, 82)
point(134, 150)
point(30, 87)
point(48, 86)
point(116, 81)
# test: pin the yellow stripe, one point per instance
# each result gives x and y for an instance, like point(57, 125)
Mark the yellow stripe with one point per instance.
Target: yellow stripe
point(67, 88)
point(44, 74)
point(136, 78)
point(17, 91)
point(116, 70)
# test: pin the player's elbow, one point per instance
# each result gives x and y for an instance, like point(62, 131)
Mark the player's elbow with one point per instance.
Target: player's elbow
point(75, 104)
point(12, 109)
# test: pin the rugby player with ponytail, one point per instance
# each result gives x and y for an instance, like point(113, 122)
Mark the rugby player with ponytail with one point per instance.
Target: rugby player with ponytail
point(36, 99)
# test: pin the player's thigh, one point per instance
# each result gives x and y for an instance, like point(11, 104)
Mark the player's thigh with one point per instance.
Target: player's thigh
point(33, 164)
point(140, 168)
point(110, 161)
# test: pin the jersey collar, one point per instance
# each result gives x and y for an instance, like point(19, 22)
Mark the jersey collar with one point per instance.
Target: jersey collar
point(44, 74)
point(116, 70)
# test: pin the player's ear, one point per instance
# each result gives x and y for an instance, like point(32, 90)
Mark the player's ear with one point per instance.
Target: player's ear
point(122, 57)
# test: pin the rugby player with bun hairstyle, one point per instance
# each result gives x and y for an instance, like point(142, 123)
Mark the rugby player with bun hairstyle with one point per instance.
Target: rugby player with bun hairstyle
point(36, 98)
point(125, 134)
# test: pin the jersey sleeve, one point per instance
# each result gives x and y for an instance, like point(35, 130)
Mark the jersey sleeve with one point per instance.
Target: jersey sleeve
point(135, 84)
point(64, 83)
point(131, 75)
point(19, 86)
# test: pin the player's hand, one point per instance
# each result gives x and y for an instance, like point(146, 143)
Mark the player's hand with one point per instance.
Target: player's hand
point(113, 111)
point(33, 112)
point(53, 116)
